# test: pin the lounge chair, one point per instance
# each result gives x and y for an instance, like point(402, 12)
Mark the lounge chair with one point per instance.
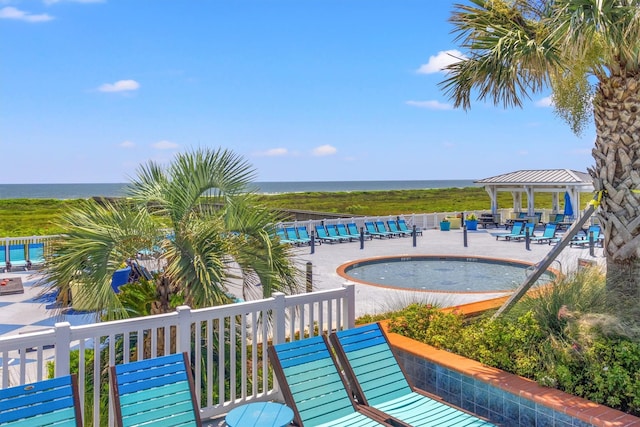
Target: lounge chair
point(548, 235)
point(512, 221)
point(17, 258)
point(377, 380)
point(303, 234)
point(47, 402)
point(313, 387)
point(155, 391)
point(353, 230)
point(333, 232)
point(343, 232)
point(373, 231)
point(527, 229)
point(516, 230)
point(402, 225)
point(584, 241)
point(3, 259)
point(383, 229)
point(393, 227)
point(557, 218)
point(292, 235)
point(36, 255)
point(283, 237)
point(322, 234)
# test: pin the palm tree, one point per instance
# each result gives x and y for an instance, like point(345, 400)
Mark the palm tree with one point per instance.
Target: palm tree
point(199, 213)
point(588, 53)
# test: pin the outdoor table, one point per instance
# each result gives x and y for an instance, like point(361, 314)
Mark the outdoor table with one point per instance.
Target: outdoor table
point(263, 414)
point(11, 285)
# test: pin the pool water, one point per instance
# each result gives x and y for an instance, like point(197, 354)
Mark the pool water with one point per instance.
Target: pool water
point(444, 274)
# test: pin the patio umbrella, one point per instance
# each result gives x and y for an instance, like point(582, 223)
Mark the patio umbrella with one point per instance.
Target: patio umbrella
point(568, 209)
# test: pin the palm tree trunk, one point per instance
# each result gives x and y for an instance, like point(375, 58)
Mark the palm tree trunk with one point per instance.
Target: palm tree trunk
point(617, 172)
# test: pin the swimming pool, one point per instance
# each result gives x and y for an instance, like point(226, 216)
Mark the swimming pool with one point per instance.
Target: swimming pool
point(441, 273)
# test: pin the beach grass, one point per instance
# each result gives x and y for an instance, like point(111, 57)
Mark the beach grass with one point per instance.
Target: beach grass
point(38, 217)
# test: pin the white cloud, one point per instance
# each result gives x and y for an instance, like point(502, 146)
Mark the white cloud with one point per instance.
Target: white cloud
point(324, 150)
point(545, 102)
point(10, 12)
point(437, 63)
point(120, 86)
point(430, 105)
point(127, 144)
point(164, 145)
point(273, 152)
point(50, 2)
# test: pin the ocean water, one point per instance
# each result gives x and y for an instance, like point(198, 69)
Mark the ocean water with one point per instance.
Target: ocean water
point(84, 191)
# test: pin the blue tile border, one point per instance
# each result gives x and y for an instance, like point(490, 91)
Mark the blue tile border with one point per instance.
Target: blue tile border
point(481, 398)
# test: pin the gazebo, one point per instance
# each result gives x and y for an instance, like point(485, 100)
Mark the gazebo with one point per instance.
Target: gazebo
point(553, 181)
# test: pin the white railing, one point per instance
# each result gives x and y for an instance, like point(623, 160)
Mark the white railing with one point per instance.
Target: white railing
point(227, 345)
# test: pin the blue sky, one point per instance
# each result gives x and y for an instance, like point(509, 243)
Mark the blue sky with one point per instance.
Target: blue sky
point(307, 90)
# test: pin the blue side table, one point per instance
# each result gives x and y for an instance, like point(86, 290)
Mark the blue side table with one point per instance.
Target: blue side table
point(263, 414)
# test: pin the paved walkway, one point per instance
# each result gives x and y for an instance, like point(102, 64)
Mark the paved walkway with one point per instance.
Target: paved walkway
point(29, 311)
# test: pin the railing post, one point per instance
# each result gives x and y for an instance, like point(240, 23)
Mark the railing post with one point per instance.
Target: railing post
point(184, 329)
point(349, 306)
point(527, 240)
point(413, 235)
point(63, 341)
point(279, 317)
point(361, 237)
point(309, 276)
point(464, 234)
point(591, 244)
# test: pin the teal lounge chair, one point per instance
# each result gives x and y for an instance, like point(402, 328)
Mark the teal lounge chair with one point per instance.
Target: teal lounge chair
point(343, 232)
point(303, 234)
point(313, 387)
point(383, 229)
point(373, 231)
point(377, 380)
point(44, 403)
point(17, 258)
point(393, 227)
point(584, 241)
point(36, 255)
point(3, 258)
point(322, 234)
point(548, 235)
point(283, 237)
point(528, 229)
point(333, 232)
point(156, 391)
point(293, 236)
point(516, 230)
point(353, 230)
point(402, 225)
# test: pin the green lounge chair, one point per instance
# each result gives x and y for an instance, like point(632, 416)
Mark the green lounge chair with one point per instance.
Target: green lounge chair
point(377, 380)
point(548, 235)
point(155, 391)
point(373, 231)
point(313, 387)
point(322, 234)
point(402, 225)
point(43, 403)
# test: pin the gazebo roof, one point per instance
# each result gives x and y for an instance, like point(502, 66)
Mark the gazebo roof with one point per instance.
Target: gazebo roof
point(540, 177)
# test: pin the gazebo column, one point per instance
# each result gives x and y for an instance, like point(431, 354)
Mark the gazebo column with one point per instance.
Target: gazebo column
point(493, 195)
point(555, 202)
point(531, 205)
point(517, 201)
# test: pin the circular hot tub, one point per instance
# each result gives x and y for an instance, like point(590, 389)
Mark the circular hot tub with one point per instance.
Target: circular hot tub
point(441, 273)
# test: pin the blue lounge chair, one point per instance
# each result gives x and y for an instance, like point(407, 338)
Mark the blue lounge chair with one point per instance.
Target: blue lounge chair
point(378, 381)
point(303, 234)
point(313, 387)
point(373, 231)
point(322, 234)
point(283, 237)
point(393, 227)
point(383, 229)
point(47, 402)
point(343, 232)
point(353, 230)
point(155, 391)
point(584, 241)
point(516, 230)
point(548, 235)
point(332, 231)
point(402, 225)
point(527, 229)
point(293, 236)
